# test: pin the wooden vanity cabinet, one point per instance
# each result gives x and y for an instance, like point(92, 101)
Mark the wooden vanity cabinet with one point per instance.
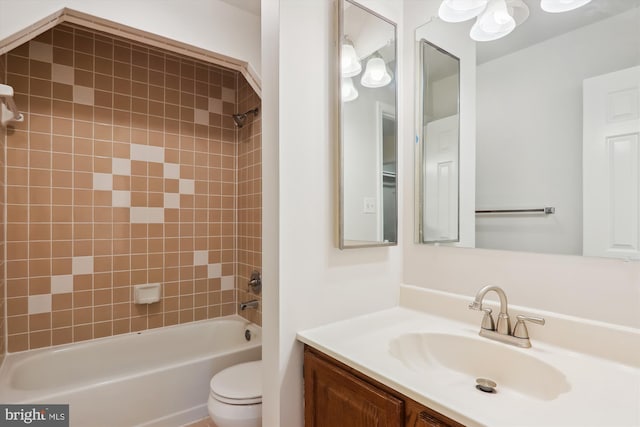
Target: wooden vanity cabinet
point(336, 395)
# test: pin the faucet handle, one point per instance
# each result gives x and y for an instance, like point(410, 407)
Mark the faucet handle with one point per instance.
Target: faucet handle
point(255, 282)
point(487, 320)
point(520, 330)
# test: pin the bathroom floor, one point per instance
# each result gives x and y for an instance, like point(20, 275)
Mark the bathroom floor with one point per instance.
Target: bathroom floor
point(205, 422)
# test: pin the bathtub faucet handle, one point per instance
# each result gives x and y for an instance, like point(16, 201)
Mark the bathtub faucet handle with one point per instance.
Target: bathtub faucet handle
point(255, 282)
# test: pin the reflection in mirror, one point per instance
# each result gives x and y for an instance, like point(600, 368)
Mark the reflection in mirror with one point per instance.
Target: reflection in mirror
point(368, 129)
point(439, 145)
point(558, 125)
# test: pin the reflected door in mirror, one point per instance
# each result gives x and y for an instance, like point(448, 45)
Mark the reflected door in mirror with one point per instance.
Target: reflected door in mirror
point(437, 153)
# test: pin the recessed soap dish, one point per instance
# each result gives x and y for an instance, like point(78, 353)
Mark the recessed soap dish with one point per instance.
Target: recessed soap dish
point(146, 294)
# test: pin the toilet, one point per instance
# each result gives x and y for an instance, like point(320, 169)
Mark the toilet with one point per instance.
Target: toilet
point(235, 397)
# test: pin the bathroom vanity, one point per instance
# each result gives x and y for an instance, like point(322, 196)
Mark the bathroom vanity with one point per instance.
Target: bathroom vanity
point(336, 394)
point(418, 364)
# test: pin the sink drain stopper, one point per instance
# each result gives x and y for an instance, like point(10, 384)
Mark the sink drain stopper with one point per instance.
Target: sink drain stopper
point(485, 385)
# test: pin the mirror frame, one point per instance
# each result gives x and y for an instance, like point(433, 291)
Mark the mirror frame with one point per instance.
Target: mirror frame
point(340, 129)
point(419, 169)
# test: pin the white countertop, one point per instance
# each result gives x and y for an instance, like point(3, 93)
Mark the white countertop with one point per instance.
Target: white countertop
point(604, 391)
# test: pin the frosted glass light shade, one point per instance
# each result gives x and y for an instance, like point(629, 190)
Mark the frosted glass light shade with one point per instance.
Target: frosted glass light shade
point(375, 74)
point(350, 64)
point(460, 10)
point(558, 6)
point(349, 91)
point(499, 19)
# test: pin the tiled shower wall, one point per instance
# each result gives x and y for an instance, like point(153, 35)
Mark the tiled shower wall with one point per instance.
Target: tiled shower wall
point(3, 306)
point(125, 172)
point(249, 208)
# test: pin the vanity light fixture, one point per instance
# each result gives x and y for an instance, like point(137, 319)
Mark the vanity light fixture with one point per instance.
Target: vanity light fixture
point(350, 63)
point(557, 6)
point(497, 18)
point(461, 10)
point(349, 91)
point(375, 73)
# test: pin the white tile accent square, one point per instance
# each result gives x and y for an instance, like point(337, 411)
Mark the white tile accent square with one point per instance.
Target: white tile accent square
point(120, 166)
point(201, 117)
point(40, 51)
point(172, 170)
point(200, 257)
point(121, 199)
point(62, 74)
point(147, 215)
point(82, 265)
point(214, 271)
point(147, 153)
point(226, 284)
point(102, 181)
point(228, 95)
point(83, 95)
point(62, 284)
point(215, 105)
point(39, 304)
point(172, 201)
point(187, 186)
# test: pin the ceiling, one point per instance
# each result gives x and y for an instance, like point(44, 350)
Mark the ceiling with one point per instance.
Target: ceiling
point(251, 6)
point(542, 25)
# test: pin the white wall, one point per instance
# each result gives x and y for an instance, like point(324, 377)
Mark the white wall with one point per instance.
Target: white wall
point(602, 289)
point(309, 282)
point(530, 132)
point(208, 24)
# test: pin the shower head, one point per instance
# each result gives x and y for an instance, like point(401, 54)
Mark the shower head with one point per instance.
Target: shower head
point(240, 119)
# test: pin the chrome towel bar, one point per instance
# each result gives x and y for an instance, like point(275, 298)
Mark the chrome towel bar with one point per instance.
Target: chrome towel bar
point(546, 211)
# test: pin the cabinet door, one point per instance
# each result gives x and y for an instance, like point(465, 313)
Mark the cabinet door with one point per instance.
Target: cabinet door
point(421, 416)
point(335, 398)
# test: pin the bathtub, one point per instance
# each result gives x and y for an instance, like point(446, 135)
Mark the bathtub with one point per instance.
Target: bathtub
point(153, 378)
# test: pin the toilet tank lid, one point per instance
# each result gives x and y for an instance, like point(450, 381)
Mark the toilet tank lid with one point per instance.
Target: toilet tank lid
point(242, 381)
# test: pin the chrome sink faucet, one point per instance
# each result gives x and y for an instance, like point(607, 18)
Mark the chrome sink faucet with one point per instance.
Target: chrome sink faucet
point(501, 331)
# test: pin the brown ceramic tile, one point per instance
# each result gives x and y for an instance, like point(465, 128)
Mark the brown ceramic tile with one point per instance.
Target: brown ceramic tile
point(82, 332)
point(18, 342)
point(61, 336)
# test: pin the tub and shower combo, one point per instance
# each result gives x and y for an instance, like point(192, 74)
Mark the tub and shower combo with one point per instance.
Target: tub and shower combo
point(152, 378)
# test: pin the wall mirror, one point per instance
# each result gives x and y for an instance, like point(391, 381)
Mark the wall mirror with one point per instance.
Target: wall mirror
point(437, 153)
point(367, 99)
point(557, 132)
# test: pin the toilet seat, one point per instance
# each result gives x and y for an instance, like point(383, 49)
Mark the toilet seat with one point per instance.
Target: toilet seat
point(239, 384)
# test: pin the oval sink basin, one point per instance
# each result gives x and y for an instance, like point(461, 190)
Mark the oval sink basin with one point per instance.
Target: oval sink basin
point(469, 358)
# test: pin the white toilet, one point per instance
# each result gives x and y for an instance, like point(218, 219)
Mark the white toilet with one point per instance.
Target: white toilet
point(235, 399)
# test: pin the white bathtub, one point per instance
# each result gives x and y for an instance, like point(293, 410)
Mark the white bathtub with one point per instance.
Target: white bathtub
point(152, 378)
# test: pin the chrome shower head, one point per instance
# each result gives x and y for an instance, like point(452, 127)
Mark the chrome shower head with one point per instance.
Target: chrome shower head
point(240, 119)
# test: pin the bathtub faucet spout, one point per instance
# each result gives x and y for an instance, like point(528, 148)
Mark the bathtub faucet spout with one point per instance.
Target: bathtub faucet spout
point(249, 304)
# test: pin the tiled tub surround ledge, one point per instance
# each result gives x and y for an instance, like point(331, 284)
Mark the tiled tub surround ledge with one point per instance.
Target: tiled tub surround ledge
point(600, 363)
point(151, 378)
